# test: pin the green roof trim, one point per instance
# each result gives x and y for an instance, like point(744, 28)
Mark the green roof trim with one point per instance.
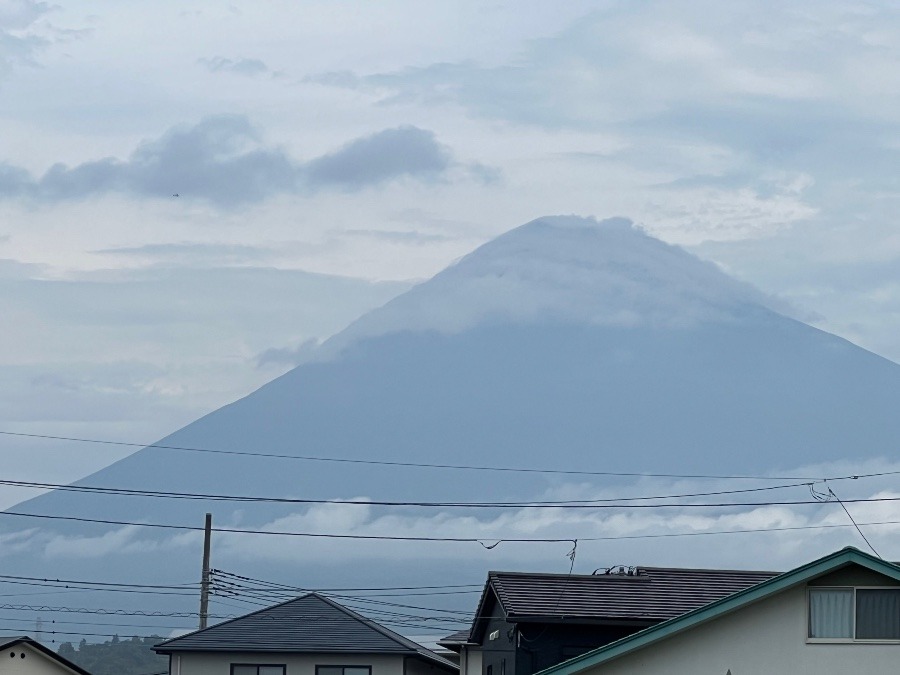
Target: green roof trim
point(834, 561)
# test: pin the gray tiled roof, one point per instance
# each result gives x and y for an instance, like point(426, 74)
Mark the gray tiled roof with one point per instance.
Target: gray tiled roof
point(654, 593)
point(308, 624)
point(460, 637)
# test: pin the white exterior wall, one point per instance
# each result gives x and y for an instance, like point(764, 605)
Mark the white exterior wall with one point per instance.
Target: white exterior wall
point(297, 664)
point(34, 663)
point(470, 661)
point(768, 638)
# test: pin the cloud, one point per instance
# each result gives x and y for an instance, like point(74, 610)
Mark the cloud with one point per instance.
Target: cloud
point(398, 236)
point(25, 32)
point(597, 70)
point(404, 151)
point(124, 540)
point(223, 161)
point(795, 531)
point(18, 37)
point(247, 67)
point(290, 356)
point(773, 88)
point(134, 354)
point(194, 253)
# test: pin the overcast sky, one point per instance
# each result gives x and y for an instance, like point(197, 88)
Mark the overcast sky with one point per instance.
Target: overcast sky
point(189, 189)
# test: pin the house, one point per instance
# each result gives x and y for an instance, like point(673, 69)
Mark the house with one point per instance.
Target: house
point(527, 622)
point(309, 635)
point(26, 656)
point(837, 614)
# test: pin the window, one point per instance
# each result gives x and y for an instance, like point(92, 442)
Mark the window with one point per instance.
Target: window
point(854, 613)
point(256, 669)
point(343, 670)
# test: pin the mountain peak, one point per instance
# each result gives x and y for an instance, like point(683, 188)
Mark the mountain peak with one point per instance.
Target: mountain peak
point(571, 269)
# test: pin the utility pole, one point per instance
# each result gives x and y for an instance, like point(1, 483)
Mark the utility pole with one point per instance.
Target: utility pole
point(204, 581)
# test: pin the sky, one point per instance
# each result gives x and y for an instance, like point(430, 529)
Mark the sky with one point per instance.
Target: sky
point(192, 191)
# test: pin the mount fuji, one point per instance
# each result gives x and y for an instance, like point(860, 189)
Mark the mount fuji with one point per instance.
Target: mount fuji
point(567, 343)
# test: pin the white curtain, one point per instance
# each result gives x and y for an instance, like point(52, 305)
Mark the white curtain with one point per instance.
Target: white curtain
point(831, 613)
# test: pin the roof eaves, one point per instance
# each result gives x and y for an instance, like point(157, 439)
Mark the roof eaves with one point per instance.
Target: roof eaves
point(728, 604)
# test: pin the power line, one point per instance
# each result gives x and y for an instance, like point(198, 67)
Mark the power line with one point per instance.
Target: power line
point(194, 584)
point(861, 534)
point(98, 588)
point(417, 465)
point(235, 591)
point(600, 504)
point(476, 540)
point(342, 588)
point(102, 583)
point(102, 623)
point(79, 634)
point(323, 535)
point(101, 610)
point(161, 494)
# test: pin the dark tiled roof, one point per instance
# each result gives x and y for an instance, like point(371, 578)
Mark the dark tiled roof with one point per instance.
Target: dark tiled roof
point(654, 593)
point(6, 643)
point(308, 624)
point(456, 639)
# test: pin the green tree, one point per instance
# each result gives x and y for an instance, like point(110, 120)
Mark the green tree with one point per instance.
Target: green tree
point(117, 657)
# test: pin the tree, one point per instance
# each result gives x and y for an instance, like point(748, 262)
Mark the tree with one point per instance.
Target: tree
point(133, 656)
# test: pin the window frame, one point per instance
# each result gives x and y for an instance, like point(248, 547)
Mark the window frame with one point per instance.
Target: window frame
point(283, 667)
point(853, 639)
point(342, 665)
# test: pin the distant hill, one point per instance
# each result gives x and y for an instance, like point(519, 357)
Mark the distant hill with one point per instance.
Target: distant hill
point(132, 656)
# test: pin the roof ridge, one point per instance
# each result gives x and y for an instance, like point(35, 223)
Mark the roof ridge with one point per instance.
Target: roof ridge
point(387, 632)
point(238, 618)
point(496, 573)
point(407, 646)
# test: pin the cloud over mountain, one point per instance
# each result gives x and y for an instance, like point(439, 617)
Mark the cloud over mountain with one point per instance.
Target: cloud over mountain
point(223, 160)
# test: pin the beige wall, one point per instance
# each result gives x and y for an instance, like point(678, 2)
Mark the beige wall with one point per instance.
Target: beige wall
point(34, 663)
point(768, 638)
point(297, 664)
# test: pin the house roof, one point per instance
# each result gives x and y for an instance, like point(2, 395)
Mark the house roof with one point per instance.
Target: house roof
point(650, 594)
point(6, 643)
point(309, 624)
point(455, 640)
point(830, 563)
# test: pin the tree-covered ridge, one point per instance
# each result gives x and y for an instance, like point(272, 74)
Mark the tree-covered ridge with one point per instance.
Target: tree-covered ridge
point(118, 657)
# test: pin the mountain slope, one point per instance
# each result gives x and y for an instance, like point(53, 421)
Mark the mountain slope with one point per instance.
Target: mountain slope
point(565, 343)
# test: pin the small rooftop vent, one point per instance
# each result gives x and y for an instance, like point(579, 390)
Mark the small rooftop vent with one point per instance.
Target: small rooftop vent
point(618, 571)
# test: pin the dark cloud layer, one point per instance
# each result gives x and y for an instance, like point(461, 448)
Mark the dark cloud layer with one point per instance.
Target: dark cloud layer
point(223, 161)
point(405, 151)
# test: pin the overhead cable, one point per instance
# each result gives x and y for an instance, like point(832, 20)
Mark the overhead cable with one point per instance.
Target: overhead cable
point(416, 465)
point(477, 540)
